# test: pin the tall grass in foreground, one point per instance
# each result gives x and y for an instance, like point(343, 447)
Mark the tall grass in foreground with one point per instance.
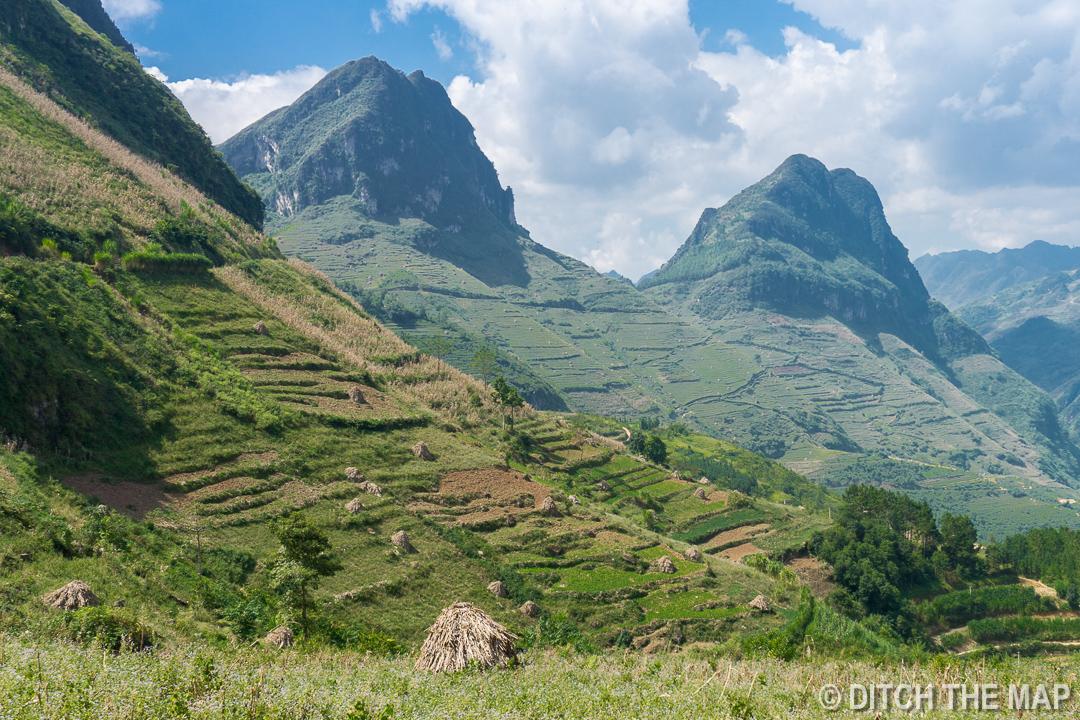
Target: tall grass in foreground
point(63, 681)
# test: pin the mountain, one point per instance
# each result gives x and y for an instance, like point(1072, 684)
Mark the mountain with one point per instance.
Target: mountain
point(957, 278)
point(616, 276)
point(803, 270)
point(94, 15)
point(1035, 327)
point(864, 361)
point(55, 51)
point(172, 388)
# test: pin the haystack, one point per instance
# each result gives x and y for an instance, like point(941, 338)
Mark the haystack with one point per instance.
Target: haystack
point(511, 521)
point(464, 634)
point(421, 451)
point(693, 554)
point(402, 541)
point(280, 637)
point(356, 395)
point(260, 328)
point(548, 507)
point(603, 485)
point(530, 609)
point(76, 594)
point(371, 488)
point(663, 564)
point(704, 481)
point(353, 475)
point(354, 506)
point(761, 604)
point(700, 494)
point(498, 589)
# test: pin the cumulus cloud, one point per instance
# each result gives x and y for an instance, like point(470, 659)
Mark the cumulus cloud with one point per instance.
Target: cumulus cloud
point(616, 128)
point(127, 10)
point(224, 108)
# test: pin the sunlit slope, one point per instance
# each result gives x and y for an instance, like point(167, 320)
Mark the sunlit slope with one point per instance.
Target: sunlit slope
point(802, 273)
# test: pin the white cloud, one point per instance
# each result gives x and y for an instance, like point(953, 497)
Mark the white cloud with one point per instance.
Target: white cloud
point(616, 129)
point(224, 108)
point(376, 21)
point(124, 10)
point(442, 47)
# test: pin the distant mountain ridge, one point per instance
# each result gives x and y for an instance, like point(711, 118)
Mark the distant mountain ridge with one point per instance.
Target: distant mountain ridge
point(1035, 326)
point(959, 277)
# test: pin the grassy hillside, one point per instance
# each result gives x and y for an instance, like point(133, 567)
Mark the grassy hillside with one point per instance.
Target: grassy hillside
point(51, 48)
point(804, 388)
point(172, 387)
point(1035, 327)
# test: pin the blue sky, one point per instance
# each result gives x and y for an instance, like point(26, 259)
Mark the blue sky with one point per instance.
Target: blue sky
point(618, 121)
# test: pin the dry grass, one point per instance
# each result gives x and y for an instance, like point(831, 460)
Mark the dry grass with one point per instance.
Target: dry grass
point(465, 634)
point(67, 181)
point(72, 193)
point(358, 339)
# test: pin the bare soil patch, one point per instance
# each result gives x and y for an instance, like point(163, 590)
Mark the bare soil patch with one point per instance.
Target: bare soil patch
point(740, 551)
point(814, 574)
point(493, 484)
point(132, 499)
point(743, 533)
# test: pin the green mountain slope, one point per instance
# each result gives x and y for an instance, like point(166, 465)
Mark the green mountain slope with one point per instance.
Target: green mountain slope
point(94, 15)
point(960, 277)
point(170, 387)
point(806, 388)
point(804, 268)
point(1035, 327)
point(52, 49)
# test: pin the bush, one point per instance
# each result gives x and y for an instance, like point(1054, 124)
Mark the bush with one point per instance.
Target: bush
point(113, 628)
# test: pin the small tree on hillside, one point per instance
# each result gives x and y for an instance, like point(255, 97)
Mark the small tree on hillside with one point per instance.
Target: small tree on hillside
point(438, 347)
point(302, 560)
point(958, 538)
point(486, 363)
point(656, 450)
point(507, 396)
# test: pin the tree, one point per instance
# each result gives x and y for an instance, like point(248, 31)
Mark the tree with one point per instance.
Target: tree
point(656, 450)
point(636, 443)
point(958, 538)
point(302, 560)
point(505, 395)
point(486, 363)
point(438, 346)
